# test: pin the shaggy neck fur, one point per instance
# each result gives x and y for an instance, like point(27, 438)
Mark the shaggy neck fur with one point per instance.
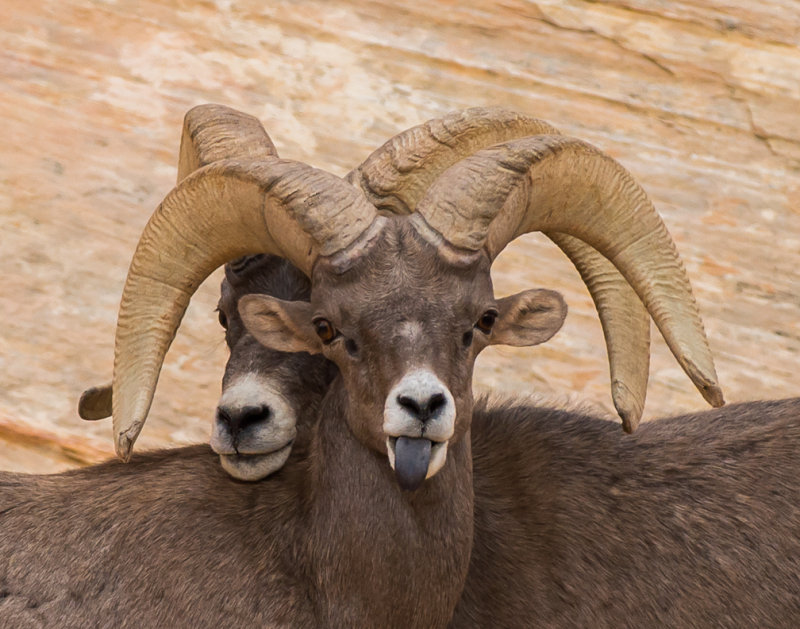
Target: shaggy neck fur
point(400, 562)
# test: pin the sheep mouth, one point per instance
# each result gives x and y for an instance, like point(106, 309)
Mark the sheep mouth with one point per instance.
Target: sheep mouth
point(415, 459)
point(254, 467)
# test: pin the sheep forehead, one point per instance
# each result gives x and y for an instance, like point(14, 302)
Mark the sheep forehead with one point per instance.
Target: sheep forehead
point(411, 330)
point(401, 285)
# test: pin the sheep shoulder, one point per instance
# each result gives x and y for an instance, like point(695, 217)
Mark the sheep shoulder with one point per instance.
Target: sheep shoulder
point(691, 521)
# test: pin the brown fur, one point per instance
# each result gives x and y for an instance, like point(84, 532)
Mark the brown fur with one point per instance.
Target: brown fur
point(687, 523)
point(692, 521)
point(329, 541)
point(171, 540)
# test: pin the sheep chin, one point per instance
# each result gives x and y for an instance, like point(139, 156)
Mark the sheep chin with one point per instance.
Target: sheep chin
point(254, 467)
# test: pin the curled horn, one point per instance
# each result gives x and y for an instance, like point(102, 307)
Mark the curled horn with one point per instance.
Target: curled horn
point(625, 322)
point(397, 175)
point(210, 133)
point(558, 184)
point(214, 132)
point(223, 211)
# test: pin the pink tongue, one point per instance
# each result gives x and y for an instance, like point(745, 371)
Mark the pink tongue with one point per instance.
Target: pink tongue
point(411, 459)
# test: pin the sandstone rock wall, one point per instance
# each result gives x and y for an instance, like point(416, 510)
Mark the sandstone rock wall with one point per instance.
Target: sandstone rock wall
point(700, 99)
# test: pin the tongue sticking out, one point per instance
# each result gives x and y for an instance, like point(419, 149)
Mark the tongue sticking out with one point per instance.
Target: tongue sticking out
point(411, 460)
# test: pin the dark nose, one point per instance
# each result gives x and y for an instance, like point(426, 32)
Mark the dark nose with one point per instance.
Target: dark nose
point(424, 409)
point(238, 419)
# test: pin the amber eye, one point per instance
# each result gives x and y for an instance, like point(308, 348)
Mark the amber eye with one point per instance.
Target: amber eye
point(223, 320)
point(325, 330)
point(486, 322)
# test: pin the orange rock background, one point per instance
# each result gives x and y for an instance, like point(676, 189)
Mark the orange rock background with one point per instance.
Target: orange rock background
point(700, 99)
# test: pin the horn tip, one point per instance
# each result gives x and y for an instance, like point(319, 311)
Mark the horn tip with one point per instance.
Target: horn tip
point(629, 422)
point(629, 406)
point(713, 395)
point(124, 447)
point(705, 379)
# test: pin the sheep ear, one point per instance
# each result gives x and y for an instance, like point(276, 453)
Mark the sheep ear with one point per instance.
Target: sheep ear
point(281, 325)
point(528, 318)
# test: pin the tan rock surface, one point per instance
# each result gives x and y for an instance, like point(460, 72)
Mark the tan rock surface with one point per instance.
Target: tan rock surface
point(700, 99)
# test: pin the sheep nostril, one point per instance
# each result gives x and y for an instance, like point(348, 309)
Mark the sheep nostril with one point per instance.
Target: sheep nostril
point(435, 403)
point(223, 416)
point(423, 411)
point(410, 404)
point(239, 419)
point(250, 415)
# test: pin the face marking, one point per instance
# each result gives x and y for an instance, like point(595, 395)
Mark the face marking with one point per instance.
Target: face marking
point(411, 331)
point(420, 405)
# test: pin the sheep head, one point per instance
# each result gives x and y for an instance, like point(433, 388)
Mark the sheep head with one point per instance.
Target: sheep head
point(430, 260)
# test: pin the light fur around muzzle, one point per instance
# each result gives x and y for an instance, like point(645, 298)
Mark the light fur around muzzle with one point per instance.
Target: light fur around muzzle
point(420, 385)
point(262, 448)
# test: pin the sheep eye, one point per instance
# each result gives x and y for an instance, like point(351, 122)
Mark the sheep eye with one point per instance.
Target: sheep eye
point(486, 322)
point(223, 320)
point(325, 330)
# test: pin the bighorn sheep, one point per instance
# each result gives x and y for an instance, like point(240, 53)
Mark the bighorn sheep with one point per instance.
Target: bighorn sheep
point(394, 398)
point(688, 522)
point(622, 526)
point(395, 177)
point(249, 447)
point(268, 396)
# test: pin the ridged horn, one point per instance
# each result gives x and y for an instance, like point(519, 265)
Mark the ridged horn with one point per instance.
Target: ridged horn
point(626, 327)
point(223, 211)
point(215, 132)
point(558, 184)
point(398, 174)
point(210, 133)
